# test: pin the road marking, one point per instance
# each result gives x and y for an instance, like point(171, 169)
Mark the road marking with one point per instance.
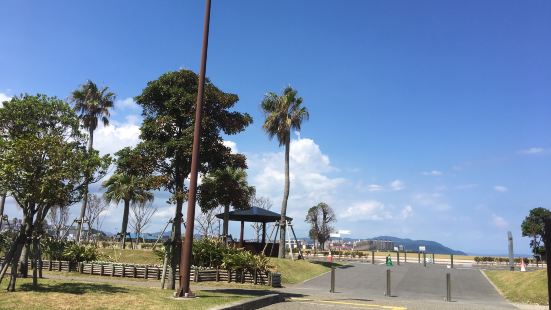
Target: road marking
point(348, 303)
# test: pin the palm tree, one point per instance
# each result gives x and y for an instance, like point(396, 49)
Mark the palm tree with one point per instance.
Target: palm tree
point(92, 104)
point(128, 189)
point(226, 187)
point(283, 114)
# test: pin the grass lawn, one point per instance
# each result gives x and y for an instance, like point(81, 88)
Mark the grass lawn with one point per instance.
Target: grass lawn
point(297, 271)
point(62, 294)
point(522, 287)
point(145, 257)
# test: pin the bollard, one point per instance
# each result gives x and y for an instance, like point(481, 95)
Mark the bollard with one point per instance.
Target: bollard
point(373, 257)
point(451, 255)
point(332, 290)
point(387, 293)
point(398, 257)
point(405, 256)
point(448, 287)
point(419, 256)
point(424, 259)
point(433, 261)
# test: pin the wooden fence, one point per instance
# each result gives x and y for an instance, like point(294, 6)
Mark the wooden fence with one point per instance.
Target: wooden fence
point(155, 272)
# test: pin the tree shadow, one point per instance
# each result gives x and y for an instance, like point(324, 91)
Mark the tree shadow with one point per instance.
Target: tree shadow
point(75, 288)
point(328, 264)
point(249, 292)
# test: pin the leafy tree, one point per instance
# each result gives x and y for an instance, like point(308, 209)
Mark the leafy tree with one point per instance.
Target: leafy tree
point(320, 217)
point(92, 104)
point(131, 190)
point(283, 114)
point(167, 131)
point(225, 187)
point(43, 162)
point(533, 227)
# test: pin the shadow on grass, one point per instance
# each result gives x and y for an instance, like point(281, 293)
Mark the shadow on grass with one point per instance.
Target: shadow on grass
point(75, 288)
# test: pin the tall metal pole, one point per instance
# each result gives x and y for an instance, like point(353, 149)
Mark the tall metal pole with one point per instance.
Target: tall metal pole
point(547, 244)
point(185, 262)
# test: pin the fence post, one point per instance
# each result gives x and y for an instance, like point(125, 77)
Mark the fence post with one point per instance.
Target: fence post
point(58, 265)
point(372, 257)
point(92, 269)
point(101, 270)
point(112, 270)
point(433, 260)
point(81, 267)
point(398, 257)
point(387, 293)
point(135, 272)
point(332, 289)
point(217, 274)
point(419, 256)
point(448, 288)
point(424, 259)
point(123, 271)
point(451, 255)
point(255, 276)
point(49, 265)
point(146, 275)
point(229, 276)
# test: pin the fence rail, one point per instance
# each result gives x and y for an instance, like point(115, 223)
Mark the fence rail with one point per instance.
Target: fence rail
point(155, 272)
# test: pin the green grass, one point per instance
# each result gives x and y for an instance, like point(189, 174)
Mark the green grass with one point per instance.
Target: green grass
point(298, 271)
point(63, 294)
point(145, 257)
point(521, 287)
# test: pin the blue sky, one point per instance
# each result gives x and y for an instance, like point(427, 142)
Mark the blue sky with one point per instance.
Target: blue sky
point(429, 119)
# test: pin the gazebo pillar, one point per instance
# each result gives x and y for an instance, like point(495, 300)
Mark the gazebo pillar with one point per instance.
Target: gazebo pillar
point(241, 236)
point(263, 233)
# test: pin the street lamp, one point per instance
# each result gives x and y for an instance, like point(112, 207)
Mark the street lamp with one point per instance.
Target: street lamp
point(185, 259)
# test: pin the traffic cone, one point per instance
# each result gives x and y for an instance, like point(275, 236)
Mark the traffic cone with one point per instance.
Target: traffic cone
point(522, 266)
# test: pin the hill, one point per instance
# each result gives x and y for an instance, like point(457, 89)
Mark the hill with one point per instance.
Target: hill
point(413, 245)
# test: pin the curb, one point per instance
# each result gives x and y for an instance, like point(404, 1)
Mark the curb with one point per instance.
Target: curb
point(253, 303)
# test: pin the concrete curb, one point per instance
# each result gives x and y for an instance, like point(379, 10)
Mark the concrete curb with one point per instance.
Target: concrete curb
point(254, 303)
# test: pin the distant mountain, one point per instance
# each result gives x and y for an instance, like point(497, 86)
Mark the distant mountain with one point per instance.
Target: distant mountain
point(413, 245)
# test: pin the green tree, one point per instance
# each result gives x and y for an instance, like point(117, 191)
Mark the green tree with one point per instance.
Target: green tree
point(92, 104)
point(43, 163)
point(282, 115)
point(320, 217)
point(131, 190)
point(225, 187)
point(169, 113)
point(533, 227)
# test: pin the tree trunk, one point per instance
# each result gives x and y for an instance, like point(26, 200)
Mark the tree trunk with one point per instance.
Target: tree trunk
point(23, 267)
point(226, 223)
point(85, 196)
point(177, 224)
point(125, 222)
point(35, 256)
point(2, 203)
point(283, 221)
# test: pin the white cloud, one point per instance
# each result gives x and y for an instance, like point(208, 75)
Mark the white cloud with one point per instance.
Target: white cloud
point(367, 210)
point(433, 173)
point(232, 145)
point(375, 188)
point(310, 176)
point(499, 221)
point(406, 212)
point(110, 139)
point(4, 97)
point(500, 188)
point(532, 151)
point(397, 185)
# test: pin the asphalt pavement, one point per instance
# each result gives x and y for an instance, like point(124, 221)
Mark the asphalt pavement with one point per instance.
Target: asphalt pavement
point(413, 286)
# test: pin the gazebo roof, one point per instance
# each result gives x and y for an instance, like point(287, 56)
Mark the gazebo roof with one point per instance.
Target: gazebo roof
point(253, 214)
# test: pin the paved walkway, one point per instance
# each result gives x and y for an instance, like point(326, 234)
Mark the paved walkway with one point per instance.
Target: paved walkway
point(412, 287)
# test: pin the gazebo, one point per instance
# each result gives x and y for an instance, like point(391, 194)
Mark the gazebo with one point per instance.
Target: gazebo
point(257, 215)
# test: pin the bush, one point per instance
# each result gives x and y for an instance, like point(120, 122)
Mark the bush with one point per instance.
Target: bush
point(6, 239)
point(69, 251)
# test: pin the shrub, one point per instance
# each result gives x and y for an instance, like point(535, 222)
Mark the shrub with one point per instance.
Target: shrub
point(68, 250)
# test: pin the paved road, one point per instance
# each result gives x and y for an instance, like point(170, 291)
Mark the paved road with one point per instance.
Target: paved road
point(412, 286)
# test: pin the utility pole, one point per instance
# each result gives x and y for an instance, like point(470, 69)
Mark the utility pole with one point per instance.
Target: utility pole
point(185, 260)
